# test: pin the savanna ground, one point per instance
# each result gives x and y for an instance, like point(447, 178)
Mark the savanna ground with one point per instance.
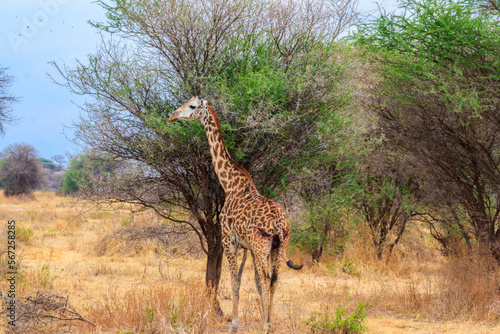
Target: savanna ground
point(117, 270)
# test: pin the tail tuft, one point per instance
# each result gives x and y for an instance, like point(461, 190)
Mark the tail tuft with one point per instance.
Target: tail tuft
point(293, 266)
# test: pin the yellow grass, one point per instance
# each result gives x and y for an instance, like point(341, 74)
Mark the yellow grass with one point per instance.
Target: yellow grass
point(141, 288)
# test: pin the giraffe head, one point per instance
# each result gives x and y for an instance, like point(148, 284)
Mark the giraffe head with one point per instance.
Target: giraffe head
point(192, 109)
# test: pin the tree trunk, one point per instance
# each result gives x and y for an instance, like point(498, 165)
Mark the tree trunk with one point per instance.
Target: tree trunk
point(488, 242)
point(316, 254)
point(379, 250)
point(404, 220)
point(213, 273)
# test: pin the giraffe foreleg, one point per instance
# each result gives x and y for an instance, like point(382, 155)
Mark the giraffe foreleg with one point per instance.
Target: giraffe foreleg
point(231, 253)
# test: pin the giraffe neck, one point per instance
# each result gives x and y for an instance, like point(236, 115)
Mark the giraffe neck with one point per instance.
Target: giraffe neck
point(231, 175)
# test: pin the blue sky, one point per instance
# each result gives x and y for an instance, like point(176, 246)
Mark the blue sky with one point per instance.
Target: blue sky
point(34, 33)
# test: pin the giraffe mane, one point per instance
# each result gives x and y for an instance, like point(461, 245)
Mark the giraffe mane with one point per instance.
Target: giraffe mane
point(237, 165)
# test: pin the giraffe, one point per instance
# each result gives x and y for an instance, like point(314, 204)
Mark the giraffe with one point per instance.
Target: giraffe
point(248, 219)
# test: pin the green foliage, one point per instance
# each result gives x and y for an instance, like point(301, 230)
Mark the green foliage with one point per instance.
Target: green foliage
point(270, 101)
point(148, 314)
point(73, 173)
point(80, 170)
point(327, 223)
point(440, 47)
point(48, 164)
point(341, 323)
point(350, 267)
point(438, 99)
point(327, 177)
point(45, 278)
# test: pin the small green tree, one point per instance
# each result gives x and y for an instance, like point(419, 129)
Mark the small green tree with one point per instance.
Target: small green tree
point(73, 173)
point(341, 323)
point(85, 168)
point(386, 207)
point(327, 221)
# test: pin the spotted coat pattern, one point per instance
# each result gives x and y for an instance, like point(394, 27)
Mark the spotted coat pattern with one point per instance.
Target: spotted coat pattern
point(248, 219)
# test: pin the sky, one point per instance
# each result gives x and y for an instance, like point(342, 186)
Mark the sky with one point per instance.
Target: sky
point(32, 34)
point(36, 32)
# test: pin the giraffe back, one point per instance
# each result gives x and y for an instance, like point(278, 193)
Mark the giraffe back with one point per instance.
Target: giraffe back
point(255, 221)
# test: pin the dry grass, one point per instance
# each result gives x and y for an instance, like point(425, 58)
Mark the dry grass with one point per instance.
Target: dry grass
point(140, 240)
point(464, 288)
point(158, 308)
point(127, 273)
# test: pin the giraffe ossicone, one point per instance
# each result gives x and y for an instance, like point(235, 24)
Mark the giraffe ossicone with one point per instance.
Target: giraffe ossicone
point(248, 219)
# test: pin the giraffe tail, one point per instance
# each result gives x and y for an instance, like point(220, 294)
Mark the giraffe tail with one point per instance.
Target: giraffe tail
point(276, 244)
point(278, 238)
point(294, 266)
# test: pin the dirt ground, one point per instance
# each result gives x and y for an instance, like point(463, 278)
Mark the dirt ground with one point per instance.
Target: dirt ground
point(143, 286)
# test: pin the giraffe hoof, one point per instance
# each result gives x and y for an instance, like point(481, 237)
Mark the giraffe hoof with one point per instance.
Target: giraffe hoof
point(234, 327)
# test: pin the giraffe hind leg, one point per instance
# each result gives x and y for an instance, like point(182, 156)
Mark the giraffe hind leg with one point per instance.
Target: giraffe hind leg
point(242, 265)
point(274, 264)
point(261, 267)
point(258, 283)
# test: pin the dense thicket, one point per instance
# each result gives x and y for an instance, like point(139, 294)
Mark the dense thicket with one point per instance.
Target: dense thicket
point(438, 100)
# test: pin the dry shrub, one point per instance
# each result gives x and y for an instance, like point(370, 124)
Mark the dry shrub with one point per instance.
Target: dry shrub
point(414, 255)
point(133, 240)
point(146, 218)
point(44, 312)
point(418, 280)
point(465, 288)
point(15, 200)
point(469, 288)
point(155, 309)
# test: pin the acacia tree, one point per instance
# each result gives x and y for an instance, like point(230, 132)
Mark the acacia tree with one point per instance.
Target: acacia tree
point(21, 171)
point(438, 103)
point(385, 201)
point(265, 67)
